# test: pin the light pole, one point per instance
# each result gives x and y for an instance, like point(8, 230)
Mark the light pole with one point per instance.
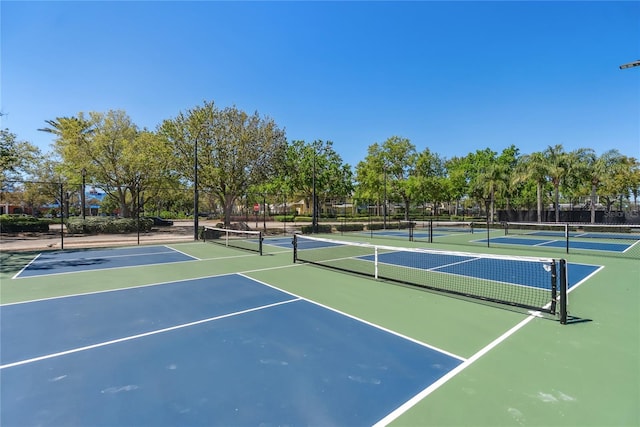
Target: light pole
point(195, 188)
point(314, 218)
point(82, 195)
point(630, 65)
point(384, 207)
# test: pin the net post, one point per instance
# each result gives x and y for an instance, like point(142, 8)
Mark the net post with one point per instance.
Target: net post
point(566, 235)
point(554, 286)
point(260, 243)
point(488, 232)
point(563, 292)
point(295, 248)
point(375, 262)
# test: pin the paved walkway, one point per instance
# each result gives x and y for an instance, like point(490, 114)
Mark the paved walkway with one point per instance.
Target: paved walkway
point(179, 232)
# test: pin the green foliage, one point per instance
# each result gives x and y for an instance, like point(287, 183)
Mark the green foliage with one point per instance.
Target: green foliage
point(245, 157)
point(235, 151)
point(285, 218)
point(322, 228)
point(350, 227)
point(112, 151)
point(16, 157)
point(22, 224)
point(108, 225)
point(391, 225)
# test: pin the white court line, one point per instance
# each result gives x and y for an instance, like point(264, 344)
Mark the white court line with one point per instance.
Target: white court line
point(88, 258)
point(382, 328)
point(169, 251)
point(433, 387)
point(449, 375)
point(146, 334)
point(170, 282)
point(637, 243)
point(25, 267)
point(181, 252)
point(93, 270)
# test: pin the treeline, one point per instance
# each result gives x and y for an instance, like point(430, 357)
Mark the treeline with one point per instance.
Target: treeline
point(230, 154)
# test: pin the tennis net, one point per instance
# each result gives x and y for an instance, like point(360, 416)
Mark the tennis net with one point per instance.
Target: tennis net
point(621, 240)
point(241, 239)
point(538, 284)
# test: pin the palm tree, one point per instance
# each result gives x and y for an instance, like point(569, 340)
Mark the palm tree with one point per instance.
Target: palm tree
point(491, 182)
point(556, 165)
point(577, 173)
point(533, 167)
point(599, 170)
point(72, 128)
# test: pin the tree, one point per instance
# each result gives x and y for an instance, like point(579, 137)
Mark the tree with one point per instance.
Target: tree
point(491, 181)
point(123, 160)
point(235, 151)
point(457, 178)
point(317, 163)
point(387, 169)
point(532, 167)
point(599, 170)
point(621, 181)
point(556, 167)
point(427, 182)
point(17, 158)
point(480, 174)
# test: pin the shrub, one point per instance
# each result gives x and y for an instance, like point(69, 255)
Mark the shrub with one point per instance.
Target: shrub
point(283, 218)
point(107, 225)
point(322, 228)
point(350, 227)
point(22, 223)
point(209, 234)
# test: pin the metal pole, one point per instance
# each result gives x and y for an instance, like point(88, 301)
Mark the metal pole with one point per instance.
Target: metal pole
point(61, 216)
point(138, 209)
point(195, 188)
point(384, 207)
point(84, 175)
point(314, 219)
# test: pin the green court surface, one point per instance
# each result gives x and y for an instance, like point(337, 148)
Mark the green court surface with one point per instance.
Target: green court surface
point(520, 370)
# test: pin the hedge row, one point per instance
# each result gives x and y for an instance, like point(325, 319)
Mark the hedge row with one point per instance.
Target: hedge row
point(22, 224)
point(322, 228)
point(108, 225)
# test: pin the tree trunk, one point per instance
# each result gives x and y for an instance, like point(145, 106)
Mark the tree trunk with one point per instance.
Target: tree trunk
point(593, 204)
point(539, 197)
point(557, 200)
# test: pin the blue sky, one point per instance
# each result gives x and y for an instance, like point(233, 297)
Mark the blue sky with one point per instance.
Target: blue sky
point(453, 77)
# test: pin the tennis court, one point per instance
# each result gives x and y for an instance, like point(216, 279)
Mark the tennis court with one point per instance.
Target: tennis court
point(72, 261)
point(555, 243)
point(224, 336)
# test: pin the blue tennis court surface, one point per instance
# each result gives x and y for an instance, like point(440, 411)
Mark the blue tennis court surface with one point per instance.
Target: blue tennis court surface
point(223, 350)
point(575, 244)
point(69, 261)
point(590, 235)
point(510, 271)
